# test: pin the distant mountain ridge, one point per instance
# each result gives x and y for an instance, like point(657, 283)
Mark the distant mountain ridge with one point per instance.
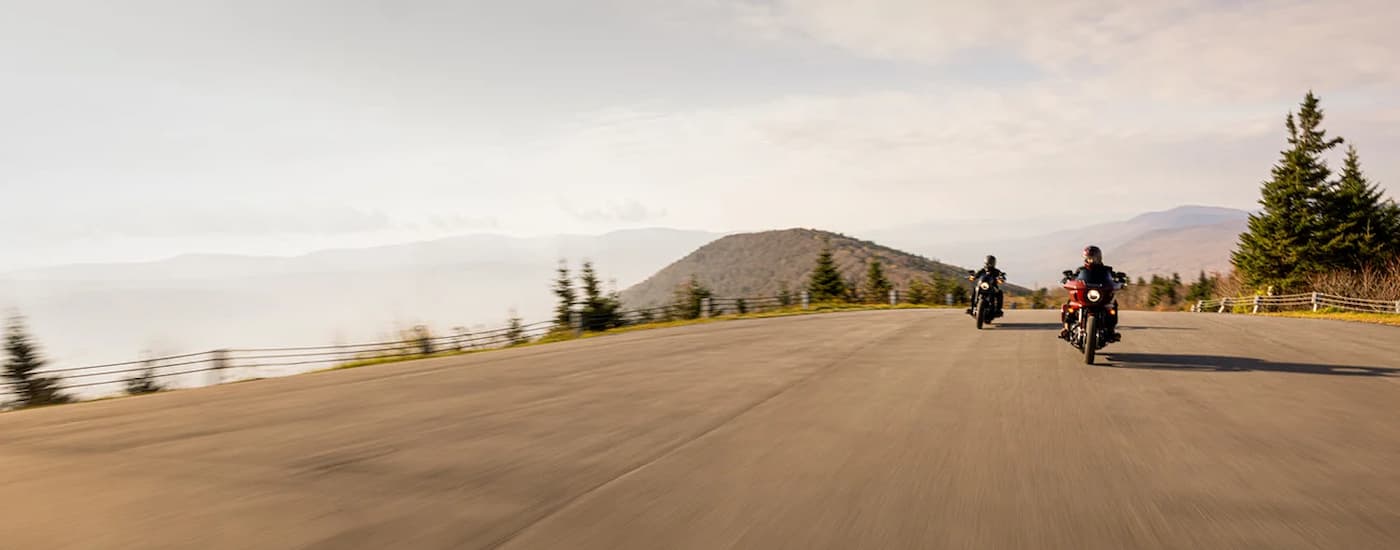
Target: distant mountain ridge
point(1184, 239)
point(1184, 250)
point(759, 264)
point(490, 248)
point(98, 312)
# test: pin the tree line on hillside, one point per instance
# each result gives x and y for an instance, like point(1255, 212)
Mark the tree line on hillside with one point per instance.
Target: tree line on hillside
point(1163, 293)
point(585, 307)
point(826, 284)
point(1317, 232)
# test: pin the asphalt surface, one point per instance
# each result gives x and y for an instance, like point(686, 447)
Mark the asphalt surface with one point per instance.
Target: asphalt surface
point(901, 429)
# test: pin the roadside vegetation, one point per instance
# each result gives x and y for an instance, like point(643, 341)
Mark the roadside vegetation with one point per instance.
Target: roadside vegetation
point(27, 386)
point(1318, 231)
point(1338, 315)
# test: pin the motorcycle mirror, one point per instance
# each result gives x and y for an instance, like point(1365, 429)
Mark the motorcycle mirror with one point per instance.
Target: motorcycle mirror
point(1068, 273)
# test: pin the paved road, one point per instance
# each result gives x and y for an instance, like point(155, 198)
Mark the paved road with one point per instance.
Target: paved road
point(903, 429)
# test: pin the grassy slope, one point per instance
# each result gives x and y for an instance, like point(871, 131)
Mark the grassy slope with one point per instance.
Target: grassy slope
point(566, 336)
point(1373, 318)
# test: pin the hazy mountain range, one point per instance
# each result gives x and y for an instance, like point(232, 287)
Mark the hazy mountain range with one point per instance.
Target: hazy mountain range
point(100, 312)
point(1186, 239)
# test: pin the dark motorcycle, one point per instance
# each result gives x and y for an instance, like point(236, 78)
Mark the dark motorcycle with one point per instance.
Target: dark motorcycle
point(1092, 312)
point(984, 293)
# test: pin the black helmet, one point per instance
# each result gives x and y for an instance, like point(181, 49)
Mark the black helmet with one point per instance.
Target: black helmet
point(991, 261)
point(1092, 255)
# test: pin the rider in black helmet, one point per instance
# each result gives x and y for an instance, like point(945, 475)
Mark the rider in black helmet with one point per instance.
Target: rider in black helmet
point(990, 268)
point(1093, 263)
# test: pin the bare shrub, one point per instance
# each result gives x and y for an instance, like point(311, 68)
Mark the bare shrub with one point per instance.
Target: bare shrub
point(1373, 282)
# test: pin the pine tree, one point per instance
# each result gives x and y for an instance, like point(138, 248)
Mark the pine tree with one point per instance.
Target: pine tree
point(515, 331)
point(564, 292)
point(1202, 289)
point(1361, 225)
point(920, 293)
point(784, 294)
point(22, 369)
point(1040, 298)
point(959, 292)
point(1154, 295)
point(826, 283)
point(689, 301)
point(1280, 247)
point(600, 312)
point(877, 286)
point(144, 382)
point(944, 287)
point(853, 290)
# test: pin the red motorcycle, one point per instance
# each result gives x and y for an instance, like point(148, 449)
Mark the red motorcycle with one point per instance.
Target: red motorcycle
point(1092, 312)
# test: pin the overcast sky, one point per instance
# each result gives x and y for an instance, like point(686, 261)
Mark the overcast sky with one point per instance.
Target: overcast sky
point(140, 129)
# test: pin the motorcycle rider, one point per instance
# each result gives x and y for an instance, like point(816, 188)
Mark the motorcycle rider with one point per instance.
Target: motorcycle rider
point(989, 268)
point(1093, 264)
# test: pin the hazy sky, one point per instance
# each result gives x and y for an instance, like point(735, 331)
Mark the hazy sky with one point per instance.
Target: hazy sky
point(139, 129)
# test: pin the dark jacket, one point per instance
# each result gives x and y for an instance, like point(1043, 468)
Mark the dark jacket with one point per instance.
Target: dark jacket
point(1098, 271)
point(994, 272)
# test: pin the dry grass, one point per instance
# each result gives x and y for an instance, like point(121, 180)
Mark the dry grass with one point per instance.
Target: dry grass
point(1356, 317)
point(564, 336)
point(1370, 283)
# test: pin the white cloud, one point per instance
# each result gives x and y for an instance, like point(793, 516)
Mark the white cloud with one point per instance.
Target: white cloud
point(624, 211)
point(817, 113)
point(893, 157)
point(1171, 49)
point(1136, 106)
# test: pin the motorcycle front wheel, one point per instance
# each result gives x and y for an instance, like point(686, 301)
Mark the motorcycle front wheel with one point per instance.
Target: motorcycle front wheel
point(1091, 339)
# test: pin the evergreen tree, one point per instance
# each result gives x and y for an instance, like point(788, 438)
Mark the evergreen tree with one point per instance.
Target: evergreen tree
point(784, 294)
point(853, 290)
point(600, 312)
point(1361, 227)
point(877, 286)
point(920, 292)
point(1202, 289)
point(515, 331)
point(564, 292)
point(826, 283)
point(689, 301)
point(960, 293)
point(943, 287)
point(144, 381)
point(1040, 298)
point(22, 369)
point(1154, 294)
point(1280, 247)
